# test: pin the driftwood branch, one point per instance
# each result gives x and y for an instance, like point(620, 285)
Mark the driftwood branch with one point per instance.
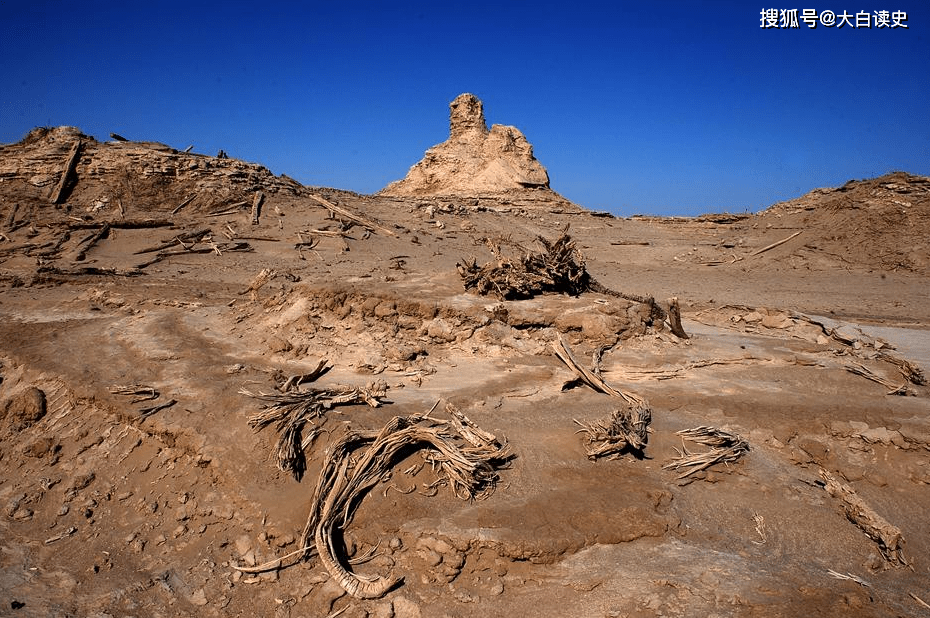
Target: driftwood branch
point(192, 237)
point(888, 537)
point(232, 209)
point(91, 241)
point(290, 412)
point(590, 377)
point(213, 248)
point(127, 224)
point(88, 270)
point(11, 218)
point(777, 244)
point(183, 204)
point(861, 370)
point(342, 212)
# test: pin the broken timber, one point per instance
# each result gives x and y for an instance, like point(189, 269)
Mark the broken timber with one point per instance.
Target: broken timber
point(590, 377)
point(90, 241)
point(257, 206)
point(342, 212)
point(888, 537)
point(777, 244)
point(60, 191)
point(183, 204)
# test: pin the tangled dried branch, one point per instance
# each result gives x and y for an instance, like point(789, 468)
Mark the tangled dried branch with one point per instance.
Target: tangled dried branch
point(861, 370)
point(291, 411)
point(726, 447)
point(911, 372)
point(466, 458)
point(559, 269)
point(626, 429)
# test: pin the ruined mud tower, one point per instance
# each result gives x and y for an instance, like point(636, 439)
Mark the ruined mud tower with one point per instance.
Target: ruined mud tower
point(474, 161)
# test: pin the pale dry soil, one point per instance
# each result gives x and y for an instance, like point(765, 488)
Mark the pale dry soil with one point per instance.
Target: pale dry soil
point(107, 513)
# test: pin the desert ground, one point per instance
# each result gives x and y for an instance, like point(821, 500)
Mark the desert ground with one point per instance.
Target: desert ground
point(154, 301)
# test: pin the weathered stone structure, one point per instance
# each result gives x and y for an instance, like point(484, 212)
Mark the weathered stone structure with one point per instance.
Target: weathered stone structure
point(474, 161)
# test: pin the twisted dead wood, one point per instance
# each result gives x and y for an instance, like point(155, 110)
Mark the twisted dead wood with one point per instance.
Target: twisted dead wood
point(726, 447)
point(626, 429)
point(465, 457)
point(558, 269)
point(291, 411)
point(592, 378)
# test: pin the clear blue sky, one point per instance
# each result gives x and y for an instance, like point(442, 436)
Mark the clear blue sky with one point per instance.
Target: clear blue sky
point(648, 107)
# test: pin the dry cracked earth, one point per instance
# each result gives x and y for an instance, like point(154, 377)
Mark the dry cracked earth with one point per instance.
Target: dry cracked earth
point(122, 503)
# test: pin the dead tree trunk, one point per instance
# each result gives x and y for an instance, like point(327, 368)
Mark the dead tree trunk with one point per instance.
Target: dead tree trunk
point(257, 206)
point(60, 192)
point(674, 319)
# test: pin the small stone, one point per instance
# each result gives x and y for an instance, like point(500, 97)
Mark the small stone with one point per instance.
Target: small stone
point(22, 514)
point(24, 410)
point(199, 597)
point(284, 540)
point(405, 608)
point(395, 543)
point(179, 531)
point(41, 447)
point(243, 544)
point(185, 511)
point(464, 597)
point(431, 558)
point(497, 588)
point(79, 482)
point(223, 511)
point(384, 609)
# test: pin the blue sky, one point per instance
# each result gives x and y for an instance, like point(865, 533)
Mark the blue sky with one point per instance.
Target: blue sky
point(674, 108)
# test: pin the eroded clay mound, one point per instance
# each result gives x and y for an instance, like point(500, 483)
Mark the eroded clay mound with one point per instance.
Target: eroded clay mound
point(879, 223)
point(63, 166)
point(474, 160)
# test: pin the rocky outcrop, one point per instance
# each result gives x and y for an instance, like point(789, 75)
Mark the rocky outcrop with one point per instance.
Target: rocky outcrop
point(142, 176)
point(474, 161)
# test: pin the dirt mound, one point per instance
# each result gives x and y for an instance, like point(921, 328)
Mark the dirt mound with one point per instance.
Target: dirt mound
point(880, 223)
point(128, 177)
point(474, 161)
